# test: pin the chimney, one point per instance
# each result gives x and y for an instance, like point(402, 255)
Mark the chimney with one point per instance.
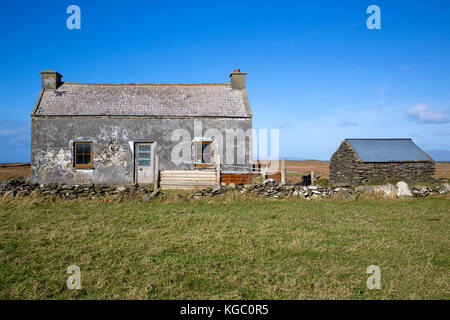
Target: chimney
point(238, 79)
point(50, 79)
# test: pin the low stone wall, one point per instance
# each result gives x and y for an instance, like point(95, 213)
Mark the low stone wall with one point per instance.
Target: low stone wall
point(272, 189)
point(347, 168)
point(21, 187)
point(268, 188)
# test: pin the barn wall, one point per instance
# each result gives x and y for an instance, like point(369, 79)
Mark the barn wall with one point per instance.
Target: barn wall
point(414, 172)
point(53, 138)
point(343, 165)
point(346, 168)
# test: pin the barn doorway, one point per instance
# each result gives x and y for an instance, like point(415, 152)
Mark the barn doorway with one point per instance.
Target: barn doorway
point(144, 160)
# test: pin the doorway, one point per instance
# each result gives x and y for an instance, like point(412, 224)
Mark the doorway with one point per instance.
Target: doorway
point(144, 159)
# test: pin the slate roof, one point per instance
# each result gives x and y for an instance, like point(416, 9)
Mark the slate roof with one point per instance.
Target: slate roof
point(173, 100)
point(388, 150)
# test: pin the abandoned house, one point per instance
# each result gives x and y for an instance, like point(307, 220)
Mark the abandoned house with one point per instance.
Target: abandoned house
point(114, 133)
point(359, 161)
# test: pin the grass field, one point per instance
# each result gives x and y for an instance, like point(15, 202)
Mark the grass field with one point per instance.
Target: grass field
point(248, 249)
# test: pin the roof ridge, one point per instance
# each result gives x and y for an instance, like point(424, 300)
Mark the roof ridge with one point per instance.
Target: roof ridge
point(378, 139)
point(147, 84)
point(215, 100)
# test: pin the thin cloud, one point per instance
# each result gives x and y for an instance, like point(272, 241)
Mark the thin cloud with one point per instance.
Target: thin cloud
point(442, 133)
point(347, 123)
point(422, 114)
point(16, 133)
point(284, 125)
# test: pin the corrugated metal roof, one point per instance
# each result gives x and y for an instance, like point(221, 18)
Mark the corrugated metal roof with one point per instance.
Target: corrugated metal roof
point(388, 150)
point(214, 100)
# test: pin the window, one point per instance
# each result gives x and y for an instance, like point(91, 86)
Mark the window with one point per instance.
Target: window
point(203, 153)
point(83, 155)
point(144, 155)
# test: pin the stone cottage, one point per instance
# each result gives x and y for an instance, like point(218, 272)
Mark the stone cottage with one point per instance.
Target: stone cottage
point(110, 132)
point(359, 161)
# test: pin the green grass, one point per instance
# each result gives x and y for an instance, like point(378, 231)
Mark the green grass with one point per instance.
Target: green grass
point(258, 249)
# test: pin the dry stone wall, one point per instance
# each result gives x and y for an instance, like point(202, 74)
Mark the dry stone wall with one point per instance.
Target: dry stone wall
point(269, 188)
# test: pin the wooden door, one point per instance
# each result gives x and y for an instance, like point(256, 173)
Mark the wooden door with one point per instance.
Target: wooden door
point(144, 162)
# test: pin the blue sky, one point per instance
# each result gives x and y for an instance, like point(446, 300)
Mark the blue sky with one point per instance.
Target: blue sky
point(314, 69)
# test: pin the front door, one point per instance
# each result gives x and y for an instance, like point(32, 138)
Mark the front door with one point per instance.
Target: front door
point(144, 162)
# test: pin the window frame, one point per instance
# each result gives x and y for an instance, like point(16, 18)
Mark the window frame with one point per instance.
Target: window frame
point(91, 162)
point(150, 152)
point(195, 151)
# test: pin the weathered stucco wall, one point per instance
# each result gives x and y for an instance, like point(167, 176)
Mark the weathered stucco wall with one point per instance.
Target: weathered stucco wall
point(347, 168)
point(113, 143)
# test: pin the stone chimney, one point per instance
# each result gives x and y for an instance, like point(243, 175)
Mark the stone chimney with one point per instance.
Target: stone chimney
point(50, 79)
point(238, 79)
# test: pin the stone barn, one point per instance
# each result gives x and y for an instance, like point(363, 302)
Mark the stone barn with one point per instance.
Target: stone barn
point(359, 161)
point(114, 133)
